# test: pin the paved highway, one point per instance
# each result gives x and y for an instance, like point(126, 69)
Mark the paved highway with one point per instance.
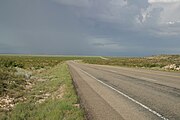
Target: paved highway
point(119, 93)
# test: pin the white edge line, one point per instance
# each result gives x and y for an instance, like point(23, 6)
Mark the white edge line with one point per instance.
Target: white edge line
point(142, 105)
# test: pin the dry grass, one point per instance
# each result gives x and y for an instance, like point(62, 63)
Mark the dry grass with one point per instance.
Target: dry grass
point(37, 88)
point(154, 62)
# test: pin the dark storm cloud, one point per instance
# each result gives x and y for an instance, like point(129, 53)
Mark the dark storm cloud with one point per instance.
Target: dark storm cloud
point(88, 27)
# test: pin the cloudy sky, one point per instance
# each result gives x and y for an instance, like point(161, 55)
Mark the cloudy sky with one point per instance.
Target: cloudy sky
point(90, 27)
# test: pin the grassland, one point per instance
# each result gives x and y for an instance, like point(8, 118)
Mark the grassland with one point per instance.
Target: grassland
point(40, 87)
point(37, 88)
point(160, 62)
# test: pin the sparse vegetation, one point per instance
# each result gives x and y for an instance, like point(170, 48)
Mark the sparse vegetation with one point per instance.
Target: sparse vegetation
point(15, 70)
point(34, 87)
point(37, 88)
point(156, 62)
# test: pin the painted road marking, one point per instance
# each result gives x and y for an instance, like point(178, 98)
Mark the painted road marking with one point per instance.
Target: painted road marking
point(148, 79)
point(113, 71)
point(123, 94)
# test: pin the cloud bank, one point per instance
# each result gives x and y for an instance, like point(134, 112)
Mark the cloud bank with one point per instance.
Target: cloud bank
point(90, 27)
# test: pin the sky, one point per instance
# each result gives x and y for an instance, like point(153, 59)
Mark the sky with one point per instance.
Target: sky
point(90, 27)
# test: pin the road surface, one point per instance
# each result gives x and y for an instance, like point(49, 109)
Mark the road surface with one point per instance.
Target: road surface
point(119, 93)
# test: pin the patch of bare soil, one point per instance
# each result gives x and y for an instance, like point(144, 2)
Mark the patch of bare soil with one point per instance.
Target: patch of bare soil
point(59, 93)
point(6, 103)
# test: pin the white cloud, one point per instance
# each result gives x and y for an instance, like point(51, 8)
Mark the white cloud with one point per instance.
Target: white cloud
point(135, 15)
point(173, 22)
point(118, 2)
point(170, 12)
point(163, 1)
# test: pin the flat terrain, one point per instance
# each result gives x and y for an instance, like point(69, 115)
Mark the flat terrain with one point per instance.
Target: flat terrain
point(37, 88)
point(40, 87)
point(158, 62)
point(121, 93)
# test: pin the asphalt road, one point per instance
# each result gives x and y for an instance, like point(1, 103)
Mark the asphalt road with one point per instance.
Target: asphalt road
point(118, 93)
